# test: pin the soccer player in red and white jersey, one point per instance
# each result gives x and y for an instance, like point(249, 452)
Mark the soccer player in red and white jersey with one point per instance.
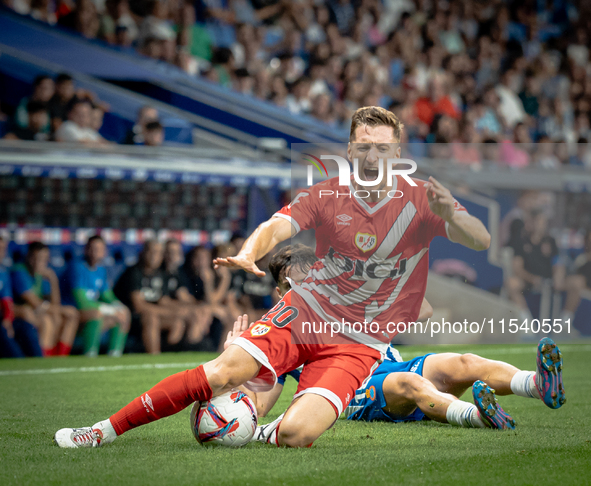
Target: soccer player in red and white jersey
point(374, 269)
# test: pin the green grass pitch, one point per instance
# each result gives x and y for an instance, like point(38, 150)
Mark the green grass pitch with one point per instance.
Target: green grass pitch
point(39, 396)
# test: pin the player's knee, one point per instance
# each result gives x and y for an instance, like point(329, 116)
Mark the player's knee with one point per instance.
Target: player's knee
point(293, 435)
point(222, 375)
point(469, 361)
point(70, 312)
point(411, 384)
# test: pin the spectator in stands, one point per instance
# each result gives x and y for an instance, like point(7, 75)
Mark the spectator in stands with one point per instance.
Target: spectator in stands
point(43, 91)
point(118, 17)
point(208, 286)
point(255, 295)
point(59, 102)
point(9, 347)
point(437, 102)
point(579, 280)
point(37, 120)
point(36, 292)
point(534, 262)
point(89, 291)
point(193, 311)
point(145, 115)
point(153, 134)
point(83, 19)
point(582, 157)
point(141, 288)
point(42, 10)
point(78, 128)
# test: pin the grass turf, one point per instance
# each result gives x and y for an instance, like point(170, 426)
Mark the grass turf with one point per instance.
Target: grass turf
point(39, 396)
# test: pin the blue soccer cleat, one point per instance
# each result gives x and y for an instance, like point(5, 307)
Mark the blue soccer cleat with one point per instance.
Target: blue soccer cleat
point(490, 411)
point(549, 374)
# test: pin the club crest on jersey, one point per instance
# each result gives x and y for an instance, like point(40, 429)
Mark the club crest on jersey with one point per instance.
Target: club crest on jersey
point(259, 330)
point(365, 242)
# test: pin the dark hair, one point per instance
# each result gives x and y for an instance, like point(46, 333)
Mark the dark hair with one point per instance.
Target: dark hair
point(77, 101)
point(292, 256)
point(36, 246)
point(63, 77)
point(39, 79)
point(172, 241)
point(94, 238)
point(36, 106)
point(154, 125)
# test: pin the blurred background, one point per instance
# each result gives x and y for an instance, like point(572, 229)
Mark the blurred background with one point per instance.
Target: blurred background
point(173, 121)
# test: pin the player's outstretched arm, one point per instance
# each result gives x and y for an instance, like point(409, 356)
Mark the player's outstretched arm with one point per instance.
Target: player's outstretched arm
point(261, 242)
point(463, 228)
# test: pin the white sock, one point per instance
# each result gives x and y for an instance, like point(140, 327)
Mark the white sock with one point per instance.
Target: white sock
point(523, 384)
point(109, 434)
point(464, 414)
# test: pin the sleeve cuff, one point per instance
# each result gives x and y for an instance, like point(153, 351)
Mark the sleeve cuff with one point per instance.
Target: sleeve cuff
point(293, 222)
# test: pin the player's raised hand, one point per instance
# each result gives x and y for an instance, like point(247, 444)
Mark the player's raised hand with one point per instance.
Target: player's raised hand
point(440, 199)
point(240, 325)
point(239, 261)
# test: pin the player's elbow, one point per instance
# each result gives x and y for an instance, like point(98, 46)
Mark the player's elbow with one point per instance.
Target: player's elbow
point(482, 242)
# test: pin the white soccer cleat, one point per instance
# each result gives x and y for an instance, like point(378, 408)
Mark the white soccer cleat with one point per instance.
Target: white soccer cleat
point(99, 434)
point(75, 438)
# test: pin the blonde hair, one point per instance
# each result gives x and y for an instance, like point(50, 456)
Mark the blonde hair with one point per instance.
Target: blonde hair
point(374, 116)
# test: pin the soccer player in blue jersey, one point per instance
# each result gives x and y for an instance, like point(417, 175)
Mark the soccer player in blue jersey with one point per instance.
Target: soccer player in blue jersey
point(89, 291)
point(425, 387)
point(37, 300)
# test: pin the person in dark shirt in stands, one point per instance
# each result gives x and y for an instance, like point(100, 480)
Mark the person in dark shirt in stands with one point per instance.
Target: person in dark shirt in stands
point(145, 115)
point(208, 287)
point(191, 310)
point(142, 288)
point(37, 120)
point(58, 104)
point(535, 260)
point(255, 295)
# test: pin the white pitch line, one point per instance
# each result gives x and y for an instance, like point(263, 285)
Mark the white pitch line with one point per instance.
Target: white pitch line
point(88, 369)
point(158, 366)
point(511, 350)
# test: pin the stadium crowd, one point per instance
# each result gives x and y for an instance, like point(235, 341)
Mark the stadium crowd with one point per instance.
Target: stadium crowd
point(166, 294)
point(455, 71)
point(58, 111)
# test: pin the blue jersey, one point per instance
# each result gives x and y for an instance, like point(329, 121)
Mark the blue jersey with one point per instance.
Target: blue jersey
point(82, 276)
point(5, 285)
point(22, 281)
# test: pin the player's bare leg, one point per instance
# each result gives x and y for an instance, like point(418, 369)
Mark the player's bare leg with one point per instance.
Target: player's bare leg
point(173, 394)
point(455, 373)
point(306, 419)
point(404, 392)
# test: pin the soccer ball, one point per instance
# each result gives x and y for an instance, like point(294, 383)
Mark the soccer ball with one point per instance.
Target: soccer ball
point(229, 420)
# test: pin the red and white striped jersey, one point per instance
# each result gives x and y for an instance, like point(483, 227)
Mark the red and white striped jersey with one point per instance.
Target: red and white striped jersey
point(373, 256)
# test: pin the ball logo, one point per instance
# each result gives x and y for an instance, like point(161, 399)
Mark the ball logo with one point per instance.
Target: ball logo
point(365, 241)
point(259, 330)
